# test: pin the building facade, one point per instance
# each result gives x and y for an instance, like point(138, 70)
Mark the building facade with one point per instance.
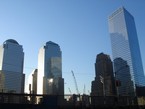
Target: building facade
point(124, 84)
point(11, 67)
point(125, 44)
point(50, 79)
point(104, 84)
point(34, 81)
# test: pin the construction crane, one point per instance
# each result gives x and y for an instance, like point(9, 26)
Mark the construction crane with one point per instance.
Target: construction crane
point(84, 91)
point(75, 83)
point(69, 90)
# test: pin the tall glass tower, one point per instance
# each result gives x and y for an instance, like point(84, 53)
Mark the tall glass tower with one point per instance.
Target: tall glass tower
point(50, 79)
point(11, 67)
point(125, 44)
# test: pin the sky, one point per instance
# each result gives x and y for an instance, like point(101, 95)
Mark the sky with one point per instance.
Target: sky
point(80, 27)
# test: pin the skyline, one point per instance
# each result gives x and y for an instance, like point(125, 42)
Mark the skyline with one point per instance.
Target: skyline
point(67, 23)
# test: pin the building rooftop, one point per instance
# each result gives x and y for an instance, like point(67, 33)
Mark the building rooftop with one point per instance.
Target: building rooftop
point(50, 42)
point(11, 41)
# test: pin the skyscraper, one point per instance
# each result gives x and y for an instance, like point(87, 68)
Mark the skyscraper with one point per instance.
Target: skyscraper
point(125, 43)
point(123, 77)
point(34, 81)
point(104, 84)
point(31, 86)
point(50, 79)
point(11, 67)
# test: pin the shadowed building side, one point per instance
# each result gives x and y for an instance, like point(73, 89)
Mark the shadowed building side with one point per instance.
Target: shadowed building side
point(122, 74)
point(34, 81)
point(104, 76)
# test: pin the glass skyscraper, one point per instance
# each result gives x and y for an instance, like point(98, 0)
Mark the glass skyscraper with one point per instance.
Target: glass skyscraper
point(11, 67)
point(123, 76)
point(50, 79)
point(125, 44)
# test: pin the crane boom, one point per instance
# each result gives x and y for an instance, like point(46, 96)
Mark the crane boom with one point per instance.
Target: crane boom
point(84, 89)
point(69, 90)
point(75, 82)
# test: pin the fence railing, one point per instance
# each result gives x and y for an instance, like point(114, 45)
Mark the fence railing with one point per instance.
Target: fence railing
point(83, 101)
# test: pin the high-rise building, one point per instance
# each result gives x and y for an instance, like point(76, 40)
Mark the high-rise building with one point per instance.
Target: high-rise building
point(31, 86)
point(124, 84)
point(125, 43)
point(11, 67)
point(29, 82)
point(104, 84)
point(34, 81)
point(50, 79)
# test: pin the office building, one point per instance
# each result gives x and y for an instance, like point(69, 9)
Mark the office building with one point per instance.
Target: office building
point(104, 84)
point(34, 81)
point(11, 67)
point(124, 84)
point(31, 85)
point(50, 79)
point(125, 44)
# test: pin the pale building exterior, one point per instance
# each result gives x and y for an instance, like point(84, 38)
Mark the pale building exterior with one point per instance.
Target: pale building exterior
point(31, 85)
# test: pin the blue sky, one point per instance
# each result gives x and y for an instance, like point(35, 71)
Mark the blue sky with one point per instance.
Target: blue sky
point(80, 27)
